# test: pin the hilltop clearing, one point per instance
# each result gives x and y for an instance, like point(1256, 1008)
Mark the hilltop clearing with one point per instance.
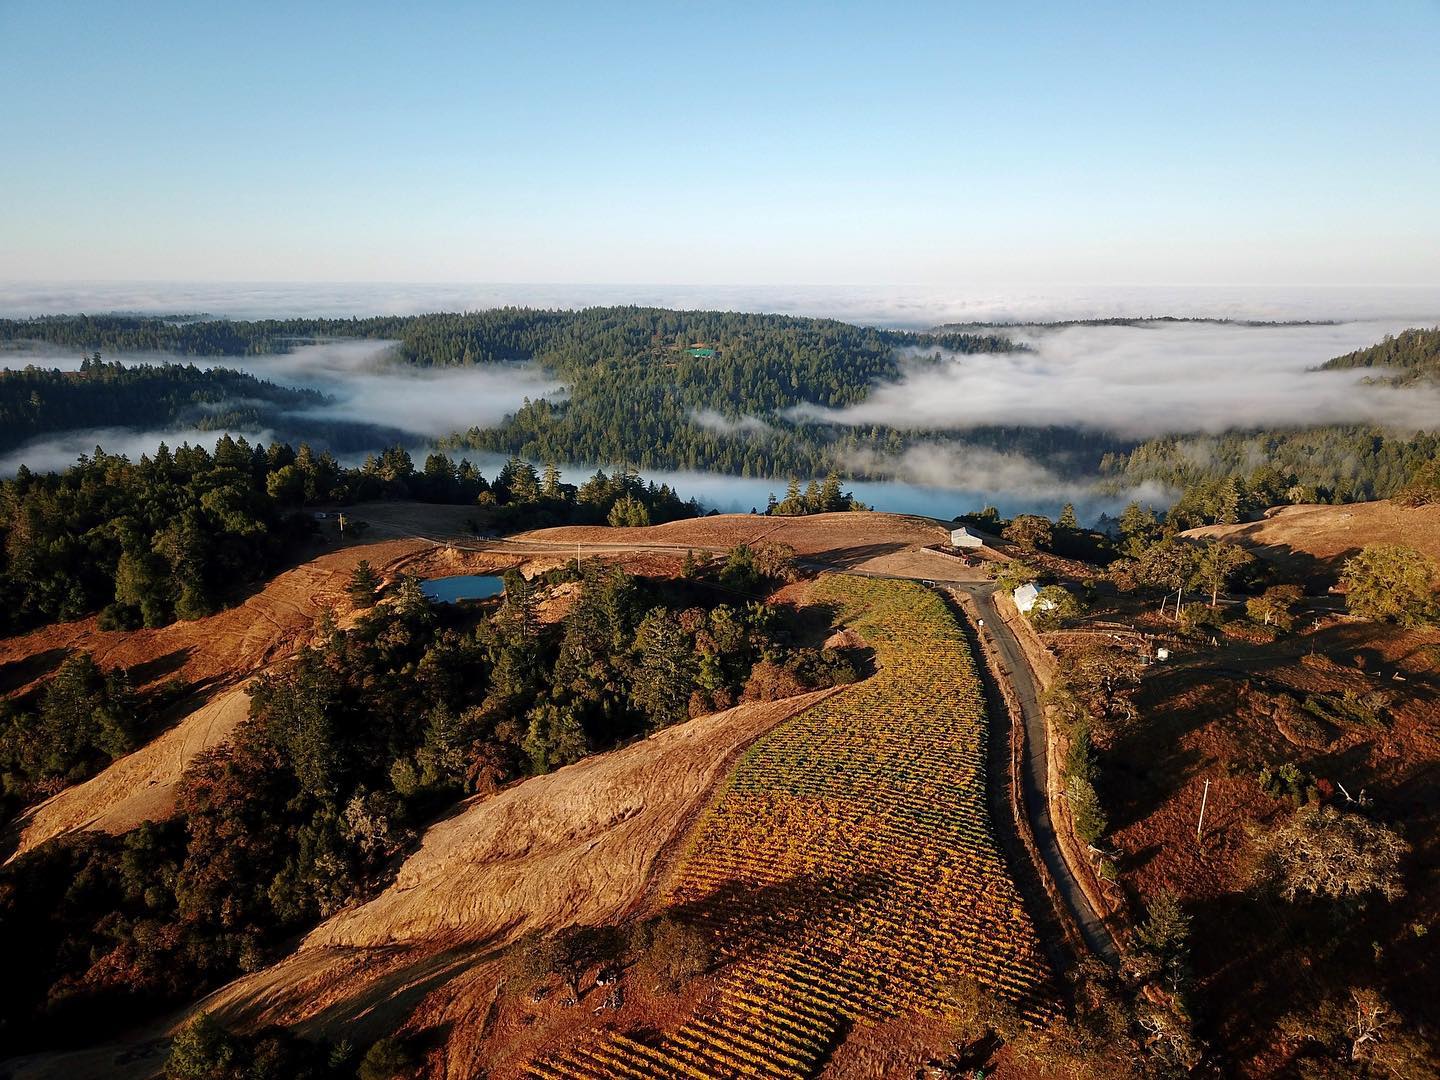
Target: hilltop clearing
point(1311, 542)
point(830, 534)
point(849, 540)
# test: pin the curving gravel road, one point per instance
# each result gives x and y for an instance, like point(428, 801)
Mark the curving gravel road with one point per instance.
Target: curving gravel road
point(1035, 772)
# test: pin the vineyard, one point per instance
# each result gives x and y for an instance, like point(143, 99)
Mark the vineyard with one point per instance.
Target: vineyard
point(847, 871)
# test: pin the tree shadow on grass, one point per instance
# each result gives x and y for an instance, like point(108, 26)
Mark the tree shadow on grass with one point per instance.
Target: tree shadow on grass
point(848, 557)
point(18, 673)
point(153, 670)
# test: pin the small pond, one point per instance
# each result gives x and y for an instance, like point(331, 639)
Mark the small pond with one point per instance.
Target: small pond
point(463, 587)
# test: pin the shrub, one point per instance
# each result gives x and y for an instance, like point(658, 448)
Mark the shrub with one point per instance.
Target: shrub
point(1013, 574)
point(1030, 531)
point(1323, 852)
point(1275, 607)
point(386, 1059)
point(202, 1050)
point(1053, 607)
point(1392, 582)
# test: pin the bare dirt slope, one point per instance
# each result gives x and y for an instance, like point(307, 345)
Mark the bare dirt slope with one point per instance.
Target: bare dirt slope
point(581, 845)
point(1314, 541)
point(138, 787)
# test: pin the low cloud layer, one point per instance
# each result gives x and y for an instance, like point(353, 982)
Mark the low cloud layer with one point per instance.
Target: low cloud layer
point(364, 386)
point(367, 388)
point(1149, 380)
point(714, 420)
point(915, 306)
point(993, 476)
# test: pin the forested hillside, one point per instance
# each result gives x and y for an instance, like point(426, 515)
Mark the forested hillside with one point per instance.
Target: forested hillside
point(1320, 464)
point(37, 401)
point(718, 391)
point(780, 359)
point(174, 534)
point(646, 386)
point(1411, 355)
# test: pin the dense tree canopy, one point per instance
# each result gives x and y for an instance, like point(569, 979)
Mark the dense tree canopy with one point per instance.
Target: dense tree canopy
point(37, 401)
point(172, 535)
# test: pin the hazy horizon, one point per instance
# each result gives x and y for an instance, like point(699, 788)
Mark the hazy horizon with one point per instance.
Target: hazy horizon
point(907, 306)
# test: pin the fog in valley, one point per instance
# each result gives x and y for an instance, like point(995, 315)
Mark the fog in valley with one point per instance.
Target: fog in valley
point(1150, 379)
point(1134, 381)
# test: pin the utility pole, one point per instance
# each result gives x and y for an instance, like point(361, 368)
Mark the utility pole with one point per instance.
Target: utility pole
point(1204, 798)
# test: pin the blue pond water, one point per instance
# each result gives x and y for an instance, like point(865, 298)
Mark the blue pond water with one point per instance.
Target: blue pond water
point(462, 587)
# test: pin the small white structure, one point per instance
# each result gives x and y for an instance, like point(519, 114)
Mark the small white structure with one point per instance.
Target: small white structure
point(964, 538)
point(1028, 597)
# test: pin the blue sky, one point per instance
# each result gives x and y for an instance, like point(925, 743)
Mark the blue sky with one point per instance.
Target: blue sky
point(833, 143)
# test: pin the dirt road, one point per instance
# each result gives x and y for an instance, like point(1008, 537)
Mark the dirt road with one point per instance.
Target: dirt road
point(1035, 772)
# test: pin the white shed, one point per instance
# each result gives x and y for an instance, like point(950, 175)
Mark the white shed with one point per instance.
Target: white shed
point(1028, 597)
point(964, 538)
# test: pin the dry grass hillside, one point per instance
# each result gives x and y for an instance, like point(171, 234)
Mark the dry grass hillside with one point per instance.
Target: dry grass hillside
point(863, 534)
point(584, 845)
point(267, 625)
point(138, 787)
point(1338, 711)
point(1313, 541)
point(1229, 717)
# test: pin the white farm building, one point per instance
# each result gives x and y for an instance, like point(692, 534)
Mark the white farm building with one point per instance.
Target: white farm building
point(1025, 597)
point(964, 538)
point(1028, 596)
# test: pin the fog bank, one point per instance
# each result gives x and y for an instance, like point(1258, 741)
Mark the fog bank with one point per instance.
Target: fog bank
point(364, 386)
point(1142, 381)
